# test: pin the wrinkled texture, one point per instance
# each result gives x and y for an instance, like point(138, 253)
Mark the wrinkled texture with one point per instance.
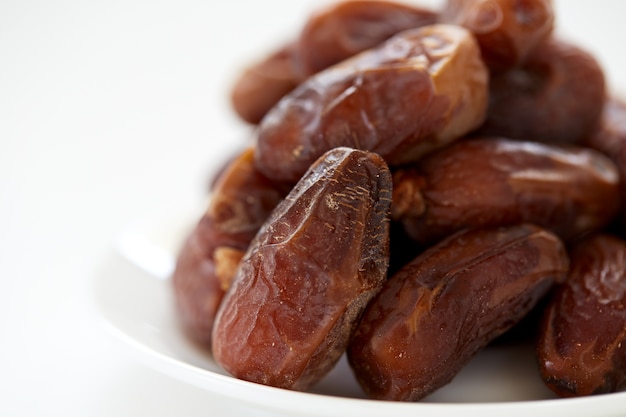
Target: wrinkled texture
point(435, 314)
point(240, 202)
point(493, 181)
point(507, 30)
point(555, 97)
point(417, 92)
point(582, 349)
point(308, 274)
point(261, 85)
point(346, 28)
point(610, 139)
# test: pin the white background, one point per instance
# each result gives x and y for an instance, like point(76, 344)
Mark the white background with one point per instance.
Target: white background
point(110, 110)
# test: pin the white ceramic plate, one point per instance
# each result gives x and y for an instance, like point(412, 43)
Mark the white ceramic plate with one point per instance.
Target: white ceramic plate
point(134, 300)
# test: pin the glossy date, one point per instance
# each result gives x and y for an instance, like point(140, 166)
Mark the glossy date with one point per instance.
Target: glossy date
point(308, 274)
point(494, 181)
point(582, 346)
point(417, 92)
point(437, 312)
point(241, 199)
point(507, 30)
point(556, 96)
point(348, 27)
point(610, 139)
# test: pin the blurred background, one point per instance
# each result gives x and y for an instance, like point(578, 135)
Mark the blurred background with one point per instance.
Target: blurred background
point(110, 111)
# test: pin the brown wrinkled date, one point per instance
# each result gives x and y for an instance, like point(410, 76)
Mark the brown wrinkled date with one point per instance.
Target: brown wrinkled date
point(418, 91)
point(240, 202)
point(582, 349)
point(415, 181)
point(493, 181)
point(436, 313)
point(309, 273)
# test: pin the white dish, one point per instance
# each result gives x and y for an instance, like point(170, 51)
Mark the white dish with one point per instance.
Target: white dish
point(134, 300)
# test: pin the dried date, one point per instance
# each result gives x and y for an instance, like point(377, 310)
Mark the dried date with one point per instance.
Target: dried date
point(264, 83)
point(493, 181)
point(555, 97)
point(417, 92)
point(437, 312)
point(348, 27)
point(506, 30)
point(610, 139)
point(308, 274)
point(582, 348)
point(240, 201)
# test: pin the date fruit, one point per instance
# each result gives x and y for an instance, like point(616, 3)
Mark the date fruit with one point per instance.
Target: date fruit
point(555, 97)
point(348, 27)
point(582, 349)
point(506, 30)
point(240, 201)
point(417, 92)
point(493, 181)
point(264, 83)
point(610, 139)
point(437, 312)
point(308, 274)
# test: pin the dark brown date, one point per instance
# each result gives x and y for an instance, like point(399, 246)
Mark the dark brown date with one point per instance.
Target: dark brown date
point(308, 274)
point(417, 92)
point(555, 97)
point(240, 201)
point(610, 139)
point(261, 85)
point(506, 30)
point(582, 348)
point(437, 312)
point(349, 27)
point(492, 181)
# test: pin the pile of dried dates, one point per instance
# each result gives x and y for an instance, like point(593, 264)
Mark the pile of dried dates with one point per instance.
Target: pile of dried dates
point(420, 181)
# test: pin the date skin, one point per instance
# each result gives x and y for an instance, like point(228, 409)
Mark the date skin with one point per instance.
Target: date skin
point(417, 92)
point(582, 348)
point(349, 27)
point(507, 30)
point(436, 313)
point(240, 201)
point(308, 274)
point(555, 97)
point(493, 181)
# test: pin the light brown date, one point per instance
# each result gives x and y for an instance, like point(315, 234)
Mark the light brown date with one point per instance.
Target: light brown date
point(308, 274)
point(493, 181)
point(437, 312)
point(240, 201)
point(506, 30)
point(555, 97)
point(417, 92)
point(582, 348)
